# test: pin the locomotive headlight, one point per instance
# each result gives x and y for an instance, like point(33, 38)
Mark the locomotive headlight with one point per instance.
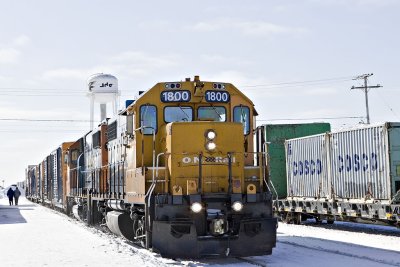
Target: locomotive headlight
point(211, 146)
point(210, 134)
point(196, 207)
point(237, 206)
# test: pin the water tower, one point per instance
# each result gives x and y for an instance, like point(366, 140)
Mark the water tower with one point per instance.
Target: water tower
point(103, 89)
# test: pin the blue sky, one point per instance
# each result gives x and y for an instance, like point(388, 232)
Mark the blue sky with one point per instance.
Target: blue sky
point(271, 50)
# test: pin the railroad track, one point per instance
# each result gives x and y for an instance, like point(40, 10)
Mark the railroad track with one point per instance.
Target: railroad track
point(341, 253)
point(358, 228)
point(252, 262)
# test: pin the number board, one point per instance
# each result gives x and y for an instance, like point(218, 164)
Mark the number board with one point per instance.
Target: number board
point(217, 96)
point(175, 96)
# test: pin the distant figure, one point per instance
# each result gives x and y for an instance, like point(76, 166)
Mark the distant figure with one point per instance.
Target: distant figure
point(10, 194)
point(17, 193)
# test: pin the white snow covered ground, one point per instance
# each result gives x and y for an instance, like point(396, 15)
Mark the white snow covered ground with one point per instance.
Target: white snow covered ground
point(32, 235)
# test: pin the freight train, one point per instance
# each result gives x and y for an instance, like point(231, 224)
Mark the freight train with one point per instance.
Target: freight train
point(348, 175)
point(182, 171)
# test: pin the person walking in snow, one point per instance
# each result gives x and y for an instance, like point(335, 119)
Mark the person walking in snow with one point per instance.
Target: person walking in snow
point(17, 194)
point(10, 194)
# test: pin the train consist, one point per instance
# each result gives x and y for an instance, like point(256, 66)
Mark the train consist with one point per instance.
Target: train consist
point(350, 175)
point(181, 171)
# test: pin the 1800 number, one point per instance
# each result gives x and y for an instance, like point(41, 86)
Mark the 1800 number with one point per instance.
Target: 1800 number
point(175, 96)
point(217, 96)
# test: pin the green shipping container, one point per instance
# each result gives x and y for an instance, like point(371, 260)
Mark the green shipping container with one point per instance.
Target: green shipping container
point(275, 135)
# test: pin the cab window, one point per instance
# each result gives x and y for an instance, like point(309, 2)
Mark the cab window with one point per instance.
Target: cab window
point(148, 119)
point(74, 155)
point(211, 113)
point(242, 114)
point(178, 114)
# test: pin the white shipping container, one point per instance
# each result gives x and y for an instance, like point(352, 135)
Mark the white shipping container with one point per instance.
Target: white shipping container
point(306, 165)
point(361, 163)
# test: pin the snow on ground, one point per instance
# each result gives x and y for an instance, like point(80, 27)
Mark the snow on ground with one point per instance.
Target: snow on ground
point(351, 237)
point(335, 247)
point(302, 245)
point(32, 235)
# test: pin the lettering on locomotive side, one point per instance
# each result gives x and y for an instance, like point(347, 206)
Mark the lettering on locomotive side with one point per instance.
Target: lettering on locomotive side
point(195, 160)
point(357, 163)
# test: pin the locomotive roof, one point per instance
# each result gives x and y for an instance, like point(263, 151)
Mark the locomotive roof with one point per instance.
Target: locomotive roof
point(161, 86)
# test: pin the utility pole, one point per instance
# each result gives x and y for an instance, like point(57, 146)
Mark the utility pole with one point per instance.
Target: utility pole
point(365, 88)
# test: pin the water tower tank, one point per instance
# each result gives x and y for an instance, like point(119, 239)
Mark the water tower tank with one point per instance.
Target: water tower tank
point(103, 87)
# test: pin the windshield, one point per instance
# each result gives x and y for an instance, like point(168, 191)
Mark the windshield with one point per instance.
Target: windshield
point(212, 113)
point(178, 114)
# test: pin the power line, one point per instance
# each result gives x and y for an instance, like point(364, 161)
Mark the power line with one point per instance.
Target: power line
point(43, 131)
point(304, 119)
point(42, 120)
point(8, 91)
point(387, 105)
point(338, 79)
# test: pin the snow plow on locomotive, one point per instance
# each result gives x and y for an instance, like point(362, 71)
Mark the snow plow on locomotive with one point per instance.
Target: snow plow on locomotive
point(181, 171)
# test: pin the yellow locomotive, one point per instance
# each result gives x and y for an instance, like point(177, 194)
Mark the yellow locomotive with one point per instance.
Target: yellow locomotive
point(182, 170)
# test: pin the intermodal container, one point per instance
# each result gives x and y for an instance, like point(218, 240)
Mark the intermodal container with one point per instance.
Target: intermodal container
point(275, 135)
point(366, 162)
point(360, 163)
point(307, 166)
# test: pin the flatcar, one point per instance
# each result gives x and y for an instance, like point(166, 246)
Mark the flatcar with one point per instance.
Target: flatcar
point(182, 171)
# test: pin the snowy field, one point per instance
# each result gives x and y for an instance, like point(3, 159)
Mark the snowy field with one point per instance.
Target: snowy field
point(32, 235)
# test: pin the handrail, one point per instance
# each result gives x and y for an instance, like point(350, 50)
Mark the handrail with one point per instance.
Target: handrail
point(154, 141)
point(229, 173)
point(153, 183)
point(78, 172)
point(267, 156)
point(200, 180)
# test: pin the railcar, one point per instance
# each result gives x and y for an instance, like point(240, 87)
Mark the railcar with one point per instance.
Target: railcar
point(347, 175)
point(182, 171)
point(32, 183)
point(46, 182)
